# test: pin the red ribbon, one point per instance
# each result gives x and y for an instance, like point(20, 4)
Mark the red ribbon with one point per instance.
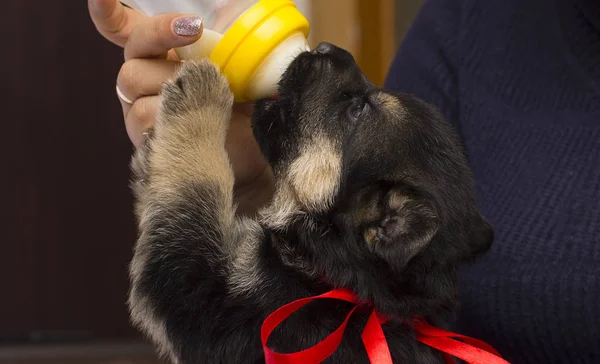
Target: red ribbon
point(471, 350)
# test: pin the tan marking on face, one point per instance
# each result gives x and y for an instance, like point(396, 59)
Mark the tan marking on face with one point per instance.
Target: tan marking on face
point(315, 174)
point(309, 184)
point(389, 103)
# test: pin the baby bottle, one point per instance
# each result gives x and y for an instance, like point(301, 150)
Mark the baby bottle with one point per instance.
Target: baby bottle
point(252, 41)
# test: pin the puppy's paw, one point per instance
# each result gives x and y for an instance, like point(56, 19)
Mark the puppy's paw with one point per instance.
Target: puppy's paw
point(196, 86)
point(382, 231)
point(405, 225)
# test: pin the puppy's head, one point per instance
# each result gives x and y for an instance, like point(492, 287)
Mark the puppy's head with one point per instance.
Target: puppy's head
point(384, 171)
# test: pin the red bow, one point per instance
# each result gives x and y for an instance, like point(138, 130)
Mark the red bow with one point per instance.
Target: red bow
point(471, 350)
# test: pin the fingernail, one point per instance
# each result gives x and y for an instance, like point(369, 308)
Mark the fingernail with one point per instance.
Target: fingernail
point(188, 26)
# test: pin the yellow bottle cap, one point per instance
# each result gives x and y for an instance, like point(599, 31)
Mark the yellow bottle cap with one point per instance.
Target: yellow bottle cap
point(252, 37)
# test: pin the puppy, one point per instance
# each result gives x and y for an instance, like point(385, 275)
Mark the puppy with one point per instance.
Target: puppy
point(373, 193)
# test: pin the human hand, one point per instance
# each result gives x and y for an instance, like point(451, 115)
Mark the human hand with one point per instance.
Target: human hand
point(149, 62)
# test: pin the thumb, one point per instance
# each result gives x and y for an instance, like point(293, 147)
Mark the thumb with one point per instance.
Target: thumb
point(113, 20)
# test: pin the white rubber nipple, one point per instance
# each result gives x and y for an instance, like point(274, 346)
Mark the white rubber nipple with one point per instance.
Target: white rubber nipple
point(201, 48)
point(265, 81)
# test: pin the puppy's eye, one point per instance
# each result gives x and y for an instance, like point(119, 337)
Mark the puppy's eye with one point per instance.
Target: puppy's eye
point(357, 108)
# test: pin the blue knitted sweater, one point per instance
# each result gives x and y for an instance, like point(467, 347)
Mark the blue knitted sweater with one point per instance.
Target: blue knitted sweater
point(520, 80)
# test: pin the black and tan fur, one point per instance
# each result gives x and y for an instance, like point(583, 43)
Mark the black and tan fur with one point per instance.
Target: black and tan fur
point(373, 193)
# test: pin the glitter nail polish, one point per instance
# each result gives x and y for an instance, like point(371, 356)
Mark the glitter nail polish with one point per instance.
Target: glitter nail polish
point(188, 26)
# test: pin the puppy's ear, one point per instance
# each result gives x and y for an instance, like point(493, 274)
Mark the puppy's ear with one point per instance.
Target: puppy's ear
point(480, 236)
point(403, 226)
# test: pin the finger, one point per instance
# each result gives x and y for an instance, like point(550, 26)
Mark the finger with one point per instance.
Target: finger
point(155, 36)
point(113, 20)
point(144, 77)
point(244, 108)
point(140, 118)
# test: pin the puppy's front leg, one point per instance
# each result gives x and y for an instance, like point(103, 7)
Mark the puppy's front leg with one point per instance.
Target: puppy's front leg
point(183, 192)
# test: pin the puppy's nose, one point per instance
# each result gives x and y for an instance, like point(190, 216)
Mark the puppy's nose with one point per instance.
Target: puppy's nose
point(325, 48)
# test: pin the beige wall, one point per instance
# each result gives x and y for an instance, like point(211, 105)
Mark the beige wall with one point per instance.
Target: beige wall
point(335, 21)
point(370, 29)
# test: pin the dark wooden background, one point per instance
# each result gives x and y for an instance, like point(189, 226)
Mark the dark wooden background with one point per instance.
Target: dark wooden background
point(66, 227)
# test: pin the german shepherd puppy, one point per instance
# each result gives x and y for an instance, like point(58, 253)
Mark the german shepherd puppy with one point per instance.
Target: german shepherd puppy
point(373, 193)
